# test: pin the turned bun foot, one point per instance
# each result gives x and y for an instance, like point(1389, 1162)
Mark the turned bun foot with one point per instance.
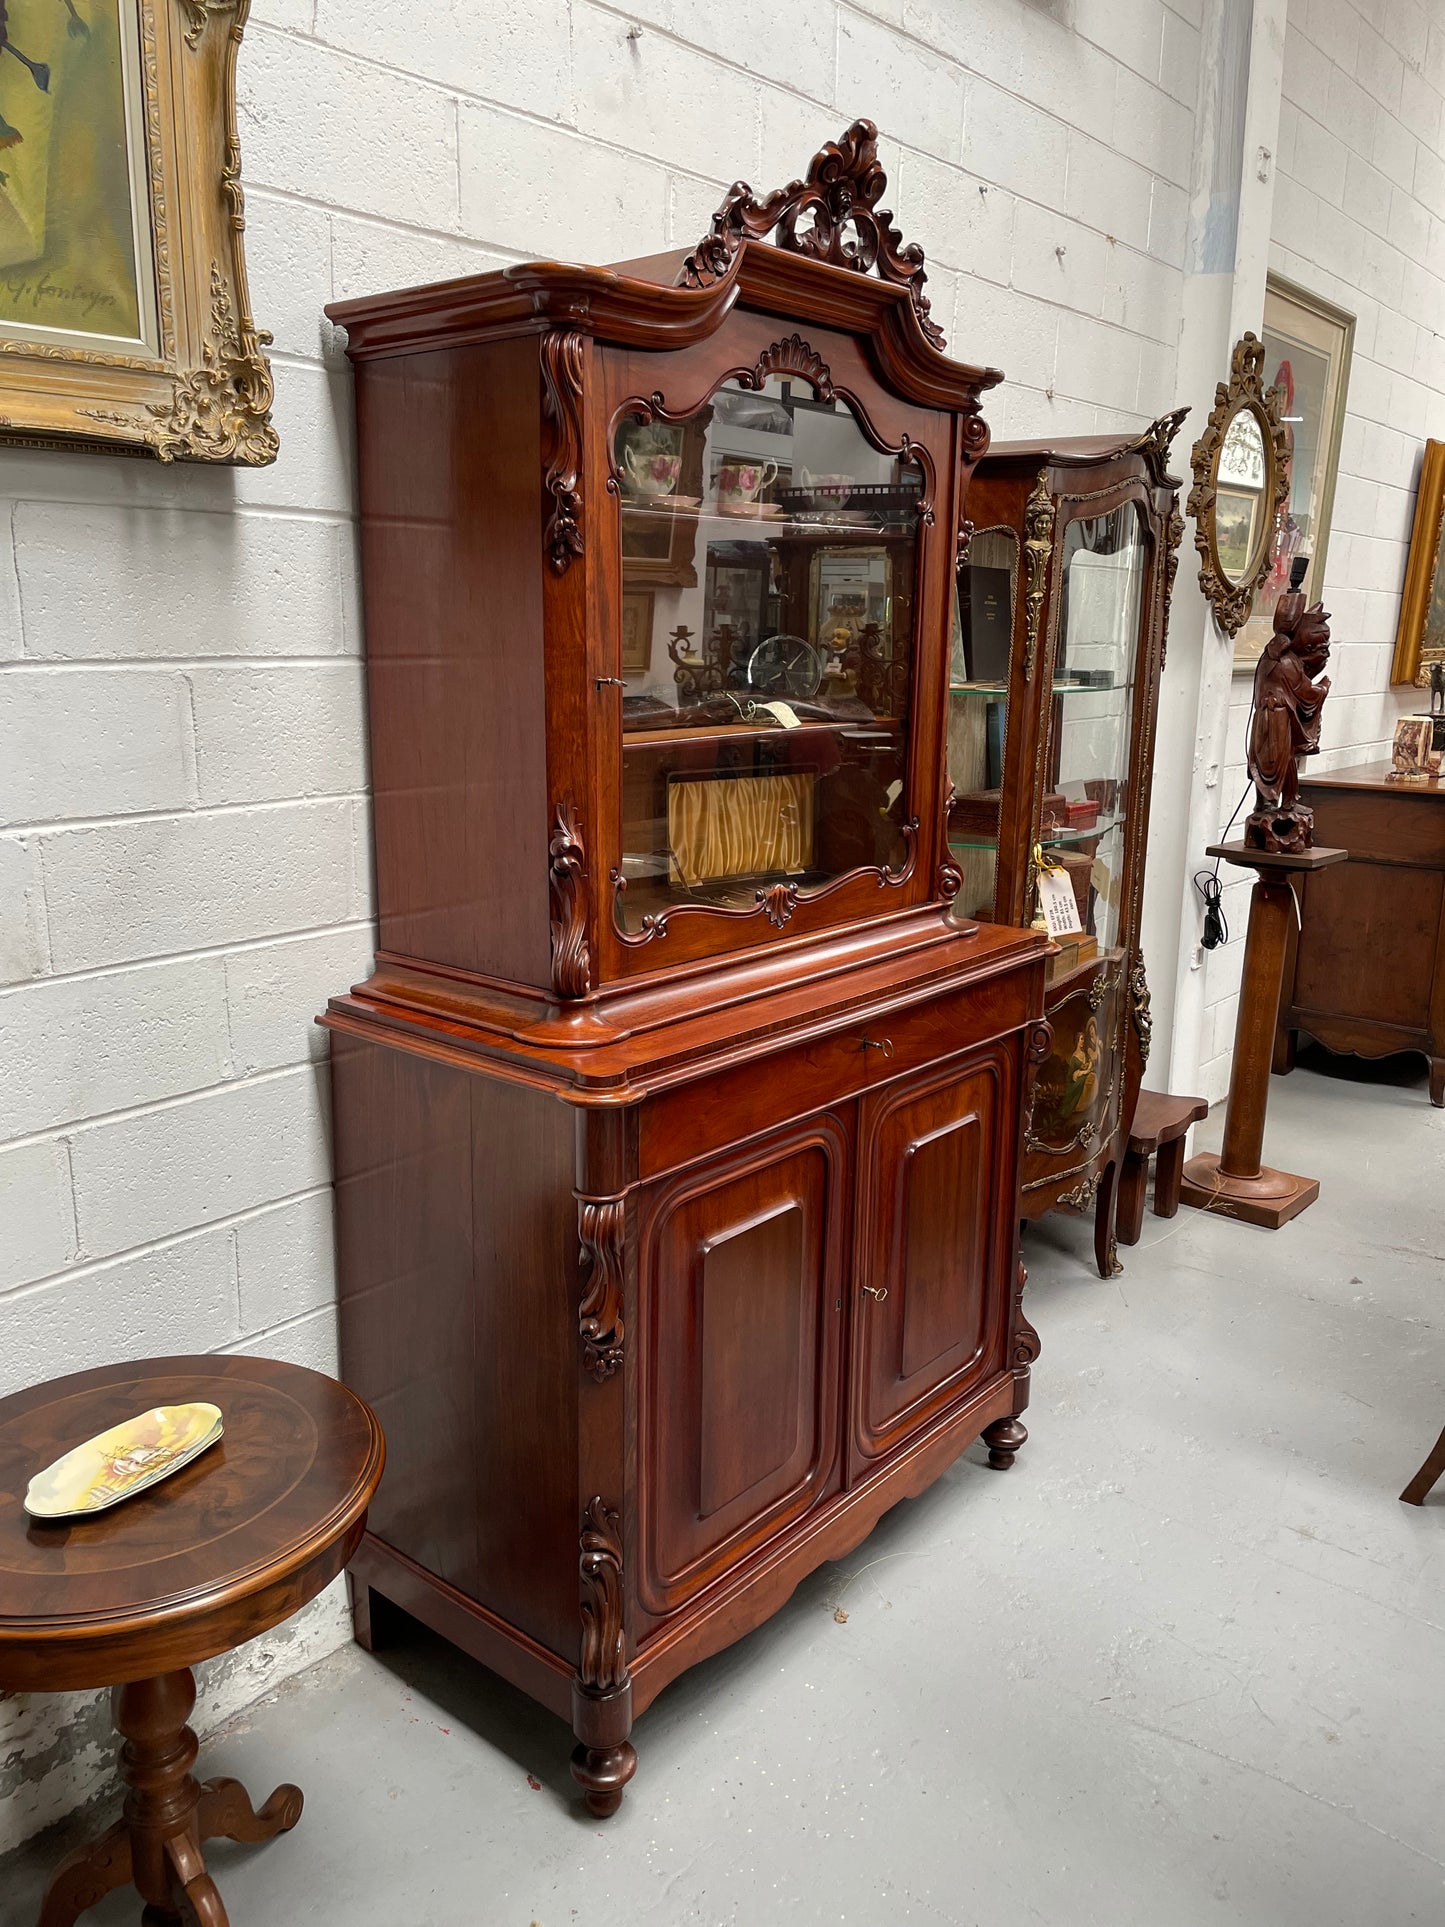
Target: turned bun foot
point(602, 1773)
point(1003, 1439)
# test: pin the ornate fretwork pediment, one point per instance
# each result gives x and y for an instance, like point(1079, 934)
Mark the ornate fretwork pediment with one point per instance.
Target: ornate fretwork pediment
point(845, 226)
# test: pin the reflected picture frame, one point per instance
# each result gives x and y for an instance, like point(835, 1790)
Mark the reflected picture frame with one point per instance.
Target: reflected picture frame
point(1420, 631)
point(125, 315)
point(1309, 348)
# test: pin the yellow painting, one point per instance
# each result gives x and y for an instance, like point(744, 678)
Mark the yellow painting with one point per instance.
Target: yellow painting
point(123, 1461)
point(74, 260)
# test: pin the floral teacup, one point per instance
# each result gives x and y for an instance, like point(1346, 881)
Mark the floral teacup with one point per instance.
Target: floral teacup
point(652, 472)
point(741, 482)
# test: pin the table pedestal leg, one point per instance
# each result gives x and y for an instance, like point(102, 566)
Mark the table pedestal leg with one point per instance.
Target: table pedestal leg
point(1235, 1183)
point(156, 1846)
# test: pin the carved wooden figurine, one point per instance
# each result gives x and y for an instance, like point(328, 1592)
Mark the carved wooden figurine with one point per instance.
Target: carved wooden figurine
point(1288, 702)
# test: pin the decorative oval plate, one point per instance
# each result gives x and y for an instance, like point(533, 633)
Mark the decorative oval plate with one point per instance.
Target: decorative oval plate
point(117, 1464)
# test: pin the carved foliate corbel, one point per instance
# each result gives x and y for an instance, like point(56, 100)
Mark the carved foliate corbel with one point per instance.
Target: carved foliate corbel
point(562, 361)
point(601, 1232)
point(1026, 1339)
point(567, 891)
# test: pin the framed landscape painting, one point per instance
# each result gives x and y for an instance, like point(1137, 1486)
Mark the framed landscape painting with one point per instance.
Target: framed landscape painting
point(1308, 343)
point(124, 313)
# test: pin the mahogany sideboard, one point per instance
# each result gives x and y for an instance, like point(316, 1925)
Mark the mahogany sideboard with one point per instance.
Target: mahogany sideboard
point(1366, 973)
point(677, 1131)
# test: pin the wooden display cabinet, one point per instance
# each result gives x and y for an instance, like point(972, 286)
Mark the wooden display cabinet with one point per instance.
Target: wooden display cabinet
point(1063, 606)
point(677, 1131)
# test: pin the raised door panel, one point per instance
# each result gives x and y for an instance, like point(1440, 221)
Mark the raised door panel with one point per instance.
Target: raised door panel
point(740, 1275)
point(930, 1305)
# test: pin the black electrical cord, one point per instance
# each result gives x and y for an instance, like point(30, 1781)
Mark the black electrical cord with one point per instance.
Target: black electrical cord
point(1206, 882)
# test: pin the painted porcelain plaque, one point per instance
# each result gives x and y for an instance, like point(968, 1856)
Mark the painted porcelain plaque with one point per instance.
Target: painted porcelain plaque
point(127, 1459)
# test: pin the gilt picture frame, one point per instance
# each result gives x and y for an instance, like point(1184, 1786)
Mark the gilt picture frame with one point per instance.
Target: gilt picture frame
point(125, 316)
point(1420, 631)
point(1308, 348)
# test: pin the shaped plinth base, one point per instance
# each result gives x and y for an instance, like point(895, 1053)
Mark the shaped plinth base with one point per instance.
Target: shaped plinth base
point(1269, 1200)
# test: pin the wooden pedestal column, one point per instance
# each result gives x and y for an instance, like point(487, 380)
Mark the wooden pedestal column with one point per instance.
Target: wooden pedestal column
point(1236, 1183)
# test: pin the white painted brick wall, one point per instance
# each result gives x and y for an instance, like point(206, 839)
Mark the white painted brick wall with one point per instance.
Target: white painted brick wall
point(1359, 216)
point(184, 863)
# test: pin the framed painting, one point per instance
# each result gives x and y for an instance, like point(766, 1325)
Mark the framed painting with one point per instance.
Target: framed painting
point(125, 319)
point(1420, 634)
point(1308, 344)
point(637, 605)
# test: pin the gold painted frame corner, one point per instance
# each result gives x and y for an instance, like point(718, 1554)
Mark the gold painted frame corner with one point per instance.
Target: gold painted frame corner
point(206, 395)
point(1413, 655)
point(1232, 601)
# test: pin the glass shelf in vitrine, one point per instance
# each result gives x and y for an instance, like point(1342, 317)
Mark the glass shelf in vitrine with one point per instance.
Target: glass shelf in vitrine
point(769, 555)
point(984, 610)
point(1083, 825)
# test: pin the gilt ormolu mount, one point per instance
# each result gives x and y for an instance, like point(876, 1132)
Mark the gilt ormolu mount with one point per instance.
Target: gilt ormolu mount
point(685, 1211)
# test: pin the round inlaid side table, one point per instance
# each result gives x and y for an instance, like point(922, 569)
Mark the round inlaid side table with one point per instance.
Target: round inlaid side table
point(133, 1598)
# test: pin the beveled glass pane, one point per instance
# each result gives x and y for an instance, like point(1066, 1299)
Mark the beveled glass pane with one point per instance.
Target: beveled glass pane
point(769, 555)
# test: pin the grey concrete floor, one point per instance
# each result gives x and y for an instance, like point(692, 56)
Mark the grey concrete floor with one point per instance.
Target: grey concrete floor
point(1183, 1666)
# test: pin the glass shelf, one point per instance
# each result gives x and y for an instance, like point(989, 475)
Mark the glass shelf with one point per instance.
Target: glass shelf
point(1063, 687)
point(1066, 836)
point(864, 525)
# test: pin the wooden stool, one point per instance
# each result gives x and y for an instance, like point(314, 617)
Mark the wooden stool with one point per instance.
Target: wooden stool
point(225, 1549)
point(1418, 1490)
point(1160, 1125)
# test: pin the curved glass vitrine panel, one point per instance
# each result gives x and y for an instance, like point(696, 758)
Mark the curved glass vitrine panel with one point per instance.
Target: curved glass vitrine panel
point(978, 682)
point(769, 560)
point(1085, 811)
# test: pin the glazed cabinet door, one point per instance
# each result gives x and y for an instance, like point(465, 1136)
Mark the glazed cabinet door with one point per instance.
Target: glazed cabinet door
point(931, 1304)
point(740, 1283)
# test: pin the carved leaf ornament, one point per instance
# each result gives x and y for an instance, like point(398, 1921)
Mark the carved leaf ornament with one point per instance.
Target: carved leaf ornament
point(832, 216)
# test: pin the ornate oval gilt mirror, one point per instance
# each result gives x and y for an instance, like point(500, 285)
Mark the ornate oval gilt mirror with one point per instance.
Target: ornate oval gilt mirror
point(1241, 479)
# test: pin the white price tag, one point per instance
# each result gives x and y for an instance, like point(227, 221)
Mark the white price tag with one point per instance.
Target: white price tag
point(1058, 903)
point(784, 713)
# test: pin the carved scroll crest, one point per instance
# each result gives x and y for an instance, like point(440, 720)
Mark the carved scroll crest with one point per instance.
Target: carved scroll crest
point(1154, 445)
point(562, 360)
point(1139, 1007)
point(847, 228)
point(603, 1667)
point(567, 889)
point(601, 1232)
point(1038, 545)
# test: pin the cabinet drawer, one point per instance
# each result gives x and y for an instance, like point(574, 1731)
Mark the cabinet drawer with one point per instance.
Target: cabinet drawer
point(694, 1119)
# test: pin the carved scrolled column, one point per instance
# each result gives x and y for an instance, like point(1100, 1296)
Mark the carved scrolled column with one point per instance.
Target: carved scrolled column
point(604, 1760)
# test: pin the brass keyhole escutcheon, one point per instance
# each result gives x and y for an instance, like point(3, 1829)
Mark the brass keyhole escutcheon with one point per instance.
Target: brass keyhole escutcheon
point(880, 1292)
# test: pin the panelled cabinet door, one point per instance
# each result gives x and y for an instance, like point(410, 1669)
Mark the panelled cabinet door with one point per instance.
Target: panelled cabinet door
point(741, 1284)
point(930, 1303)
